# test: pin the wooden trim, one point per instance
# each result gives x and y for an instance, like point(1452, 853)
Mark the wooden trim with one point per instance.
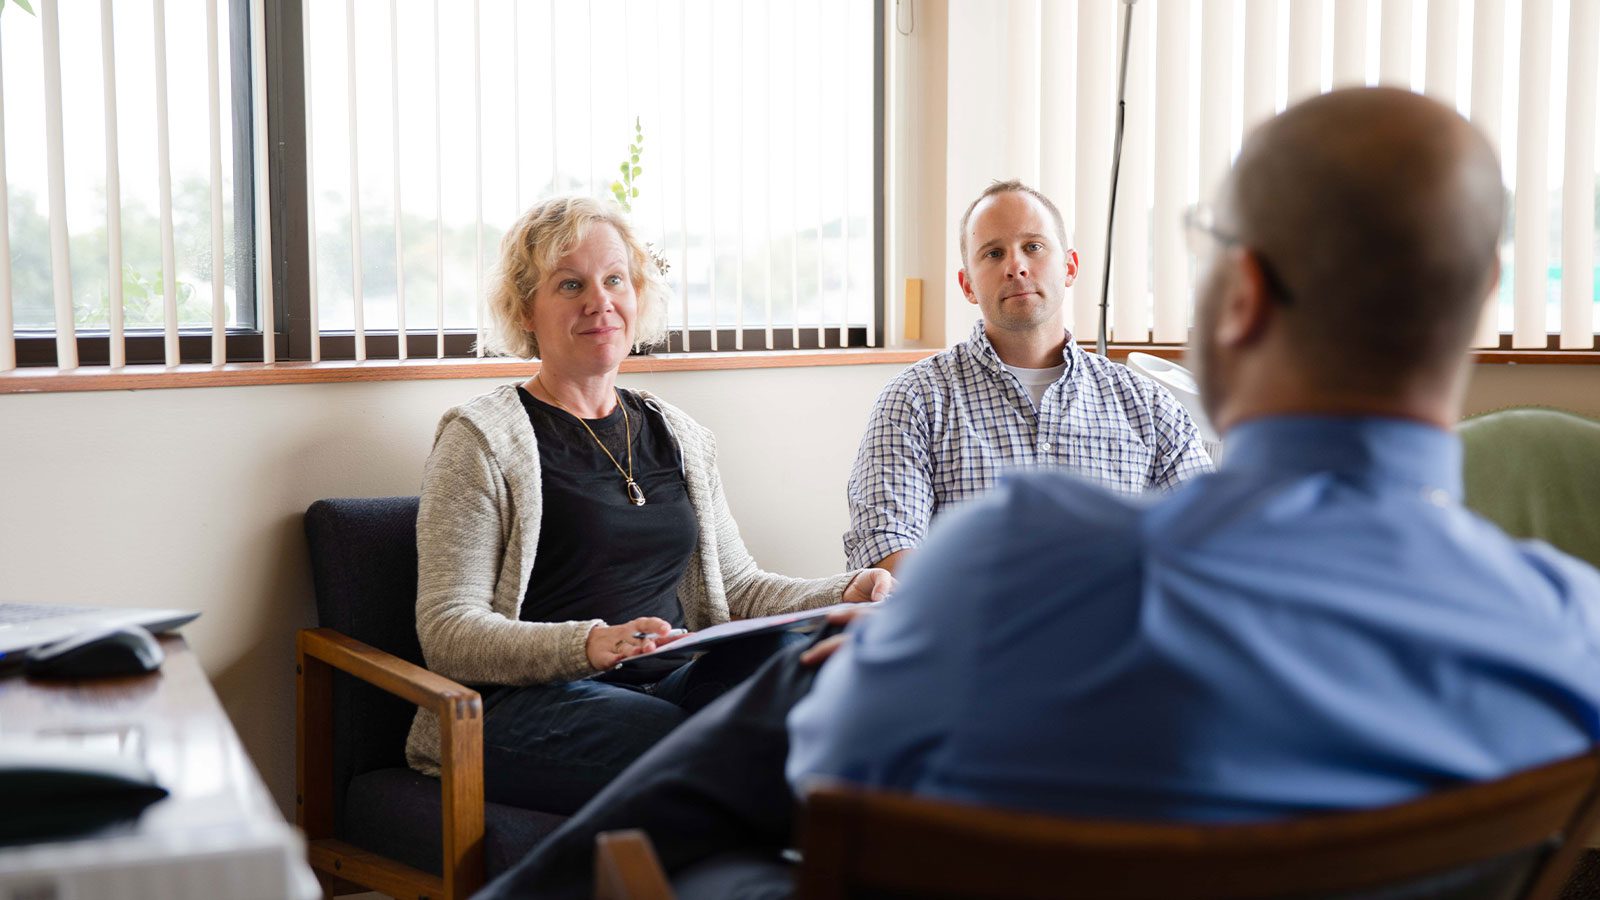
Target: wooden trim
point(134, 378)
point(374, 872)
point(409, 682)
point(626, 867)
point(313, 789)
point(1575, 842)
point(461, 804)
point(857, 840)
point(1536, 357)
point(460, 713)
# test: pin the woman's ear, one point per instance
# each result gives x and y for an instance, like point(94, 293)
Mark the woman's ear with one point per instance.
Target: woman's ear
point(527, 314)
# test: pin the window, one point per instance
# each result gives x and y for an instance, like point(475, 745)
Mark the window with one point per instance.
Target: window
point(138, 190)
point(743, 136)
point(739, 134)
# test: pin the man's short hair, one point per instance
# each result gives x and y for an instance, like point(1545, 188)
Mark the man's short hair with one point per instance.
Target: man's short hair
point(1008, 187)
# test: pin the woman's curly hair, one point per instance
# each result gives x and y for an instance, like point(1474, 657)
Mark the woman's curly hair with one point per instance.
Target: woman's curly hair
point(534, 246)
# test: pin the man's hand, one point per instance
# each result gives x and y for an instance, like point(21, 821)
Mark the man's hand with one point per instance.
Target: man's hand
point(611, 644)
point(870, 585)
point(826, 648)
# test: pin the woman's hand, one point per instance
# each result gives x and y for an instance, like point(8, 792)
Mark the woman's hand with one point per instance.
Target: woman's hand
point(611, 644)
point(870, 585)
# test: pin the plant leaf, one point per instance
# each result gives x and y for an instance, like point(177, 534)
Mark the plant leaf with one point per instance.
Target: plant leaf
point(623, 169)
point(637, 171)
point(616, 187)
point(635, 192)
point(25, 7)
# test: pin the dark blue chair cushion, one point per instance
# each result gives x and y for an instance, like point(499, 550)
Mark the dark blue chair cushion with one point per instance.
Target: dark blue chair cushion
point(395, 812)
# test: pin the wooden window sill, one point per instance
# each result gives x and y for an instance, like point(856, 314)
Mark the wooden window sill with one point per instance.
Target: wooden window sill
point(1479, 357)
point(134, 378)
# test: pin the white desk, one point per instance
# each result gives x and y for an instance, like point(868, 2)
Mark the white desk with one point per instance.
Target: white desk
point(217, 835)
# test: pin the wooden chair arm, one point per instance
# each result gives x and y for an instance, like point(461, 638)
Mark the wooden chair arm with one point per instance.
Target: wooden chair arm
point(626, 868)
point(459, 709)
point(406, 680)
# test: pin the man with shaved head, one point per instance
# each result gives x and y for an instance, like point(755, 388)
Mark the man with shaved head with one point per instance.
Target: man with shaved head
point(1319, 625)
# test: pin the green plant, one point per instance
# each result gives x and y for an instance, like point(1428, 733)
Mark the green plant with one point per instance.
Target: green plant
point(22, 3)
point(624, 190)
point(143, 303)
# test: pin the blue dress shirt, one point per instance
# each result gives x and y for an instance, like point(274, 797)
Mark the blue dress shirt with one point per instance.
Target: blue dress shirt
point(1320, 625)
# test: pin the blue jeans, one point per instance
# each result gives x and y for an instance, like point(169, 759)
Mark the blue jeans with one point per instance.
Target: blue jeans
point(552, 747)
point(712, 797)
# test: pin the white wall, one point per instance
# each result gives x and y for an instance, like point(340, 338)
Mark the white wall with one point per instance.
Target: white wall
point(193, 498)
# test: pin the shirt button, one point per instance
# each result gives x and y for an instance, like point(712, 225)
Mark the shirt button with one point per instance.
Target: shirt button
point(1044, 445)
point(1437, 496)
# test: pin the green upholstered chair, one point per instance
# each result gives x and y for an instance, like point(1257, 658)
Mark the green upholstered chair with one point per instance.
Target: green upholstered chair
point(1536, 474)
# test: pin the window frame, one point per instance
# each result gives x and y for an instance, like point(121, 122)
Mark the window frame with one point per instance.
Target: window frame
point(291, 253)
point(145, 346)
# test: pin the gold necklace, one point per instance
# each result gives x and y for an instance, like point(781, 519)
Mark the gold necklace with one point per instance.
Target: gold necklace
point(635, 493)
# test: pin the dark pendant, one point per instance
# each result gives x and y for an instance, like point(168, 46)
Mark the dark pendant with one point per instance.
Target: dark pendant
point(635, 493)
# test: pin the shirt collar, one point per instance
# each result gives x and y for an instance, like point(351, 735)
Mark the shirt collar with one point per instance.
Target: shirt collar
point(985, 353)
point(1397, 449)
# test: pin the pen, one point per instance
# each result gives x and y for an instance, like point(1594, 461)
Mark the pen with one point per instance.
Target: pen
point(642, 635)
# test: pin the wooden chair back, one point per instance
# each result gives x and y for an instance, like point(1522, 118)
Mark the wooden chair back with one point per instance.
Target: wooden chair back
point(1517, 837)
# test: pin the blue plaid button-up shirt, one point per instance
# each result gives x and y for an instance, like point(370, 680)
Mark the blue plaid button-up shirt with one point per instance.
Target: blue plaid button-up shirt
point(947, 427)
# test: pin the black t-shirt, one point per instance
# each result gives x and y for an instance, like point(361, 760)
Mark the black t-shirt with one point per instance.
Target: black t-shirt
point(599, 556)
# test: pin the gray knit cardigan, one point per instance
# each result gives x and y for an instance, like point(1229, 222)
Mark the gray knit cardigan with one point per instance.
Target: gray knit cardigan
point(478, 529)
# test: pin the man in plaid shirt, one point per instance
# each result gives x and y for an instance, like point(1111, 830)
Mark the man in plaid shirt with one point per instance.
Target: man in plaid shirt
point(1019, 393)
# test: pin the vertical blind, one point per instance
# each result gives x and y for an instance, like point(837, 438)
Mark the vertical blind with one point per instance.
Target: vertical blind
point(751, 121)
point(430, 127)
point(80, 250)
point(1523, 71)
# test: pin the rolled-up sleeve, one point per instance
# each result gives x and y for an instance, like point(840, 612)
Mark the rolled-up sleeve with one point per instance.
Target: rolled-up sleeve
point(1181, 455)
point(891, 484)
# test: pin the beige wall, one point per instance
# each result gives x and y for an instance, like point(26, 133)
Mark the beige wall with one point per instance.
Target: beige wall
point(1575, 388)
point(193, 497)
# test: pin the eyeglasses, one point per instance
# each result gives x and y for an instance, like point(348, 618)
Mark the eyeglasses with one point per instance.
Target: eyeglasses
point(1200, 223)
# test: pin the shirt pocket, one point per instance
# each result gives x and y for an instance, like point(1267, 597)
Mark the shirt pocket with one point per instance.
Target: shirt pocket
point(1120, 463)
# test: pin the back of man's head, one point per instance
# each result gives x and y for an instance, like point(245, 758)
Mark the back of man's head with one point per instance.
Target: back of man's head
point(1378, 214)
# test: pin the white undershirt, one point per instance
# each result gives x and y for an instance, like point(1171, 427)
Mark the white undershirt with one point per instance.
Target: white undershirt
point(1037, 381)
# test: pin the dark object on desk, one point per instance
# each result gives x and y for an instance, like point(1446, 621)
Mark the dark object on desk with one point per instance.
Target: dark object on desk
point(97, 653)
point(53, 793)
point(1516, 838)
point(369, 819)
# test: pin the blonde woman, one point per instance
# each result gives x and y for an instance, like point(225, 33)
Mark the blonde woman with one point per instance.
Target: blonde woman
point(567, 524)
